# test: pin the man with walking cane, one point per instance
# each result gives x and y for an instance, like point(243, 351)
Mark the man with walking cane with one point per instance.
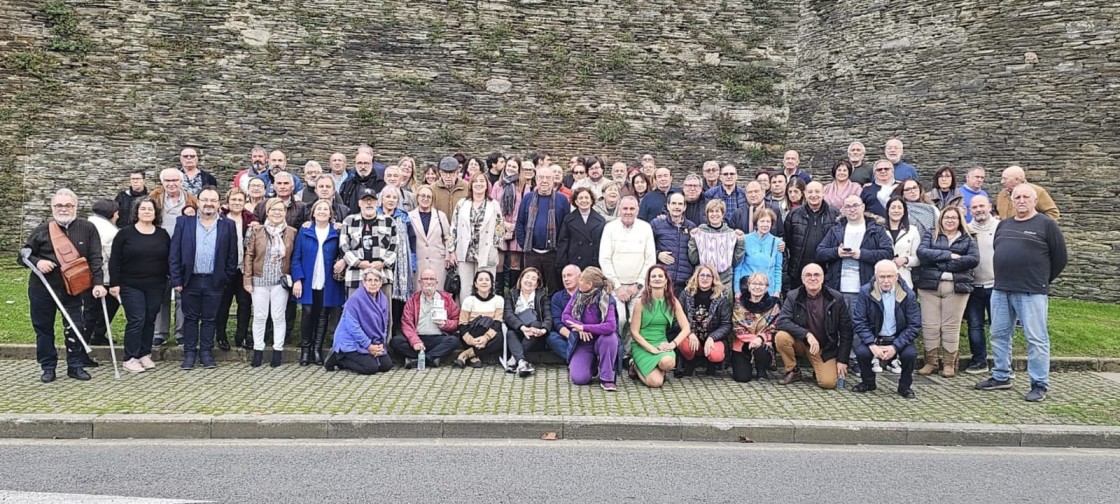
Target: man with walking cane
point(65, 252)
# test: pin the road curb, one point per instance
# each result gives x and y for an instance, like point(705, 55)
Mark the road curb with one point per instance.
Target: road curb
point(118, 426)
point(14, 351)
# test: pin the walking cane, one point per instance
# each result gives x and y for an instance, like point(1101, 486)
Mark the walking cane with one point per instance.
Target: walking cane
point(505, 349)
point(25, 257)
point(109, 331)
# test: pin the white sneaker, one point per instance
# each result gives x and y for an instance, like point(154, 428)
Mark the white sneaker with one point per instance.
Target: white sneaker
point(894, 366)
point(875, 365)
point(147, 362)
point(133, 366)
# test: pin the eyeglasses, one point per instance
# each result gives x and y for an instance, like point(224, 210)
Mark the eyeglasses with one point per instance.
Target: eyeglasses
point(705, 275)
point(187, 156)
point(883, 169)
point(579, 172)
point(728, 174)
point(852, 207)
point(63, 206)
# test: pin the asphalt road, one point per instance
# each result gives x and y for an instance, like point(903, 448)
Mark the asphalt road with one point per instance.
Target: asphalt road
point(540, 471)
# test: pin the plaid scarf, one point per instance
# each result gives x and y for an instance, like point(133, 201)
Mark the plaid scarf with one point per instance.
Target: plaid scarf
point(531, 223)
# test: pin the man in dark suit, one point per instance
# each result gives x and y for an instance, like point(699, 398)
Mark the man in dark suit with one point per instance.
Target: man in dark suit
point(203, 258)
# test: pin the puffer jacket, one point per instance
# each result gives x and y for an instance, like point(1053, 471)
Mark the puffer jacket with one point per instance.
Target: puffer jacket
point(798, 224)
point(875, 247)
point(719, 315)
point(935, 254)
point(669, 237)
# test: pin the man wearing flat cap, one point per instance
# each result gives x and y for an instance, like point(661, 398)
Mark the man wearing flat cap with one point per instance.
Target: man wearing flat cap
point(450, 188)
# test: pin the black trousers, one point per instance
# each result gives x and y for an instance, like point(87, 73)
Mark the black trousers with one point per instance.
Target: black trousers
point(141, 306)
point(43, 312)
point(519, 344)
point(908, 356)
point(235, 290)
point(546, 263)
point(312, 315)
point(364, 363)
point(436, 346)
point(93, 318)
point(741, 370)
point(494, 346)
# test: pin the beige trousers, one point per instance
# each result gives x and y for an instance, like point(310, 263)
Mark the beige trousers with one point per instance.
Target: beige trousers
point(942, 311)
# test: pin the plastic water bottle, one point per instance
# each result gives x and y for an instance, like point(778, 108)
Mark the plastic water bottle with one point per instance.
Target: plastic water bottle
point(421, 363)
point(840, 383)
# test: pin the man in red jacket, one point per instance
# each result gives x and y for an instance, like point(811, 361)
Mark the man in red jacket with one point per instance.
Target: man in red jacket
point(430, 323)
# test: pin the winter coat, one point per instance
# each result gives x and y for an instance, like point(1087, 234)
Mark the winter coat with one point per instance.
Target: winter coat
point(719, 315)
point(673, 238)
point(867, 316)
point(578, 242)
point(836, 342)
point(303, 265)
point(875, 247)
point(935, 254)
point(431, 246)
point(798, 224)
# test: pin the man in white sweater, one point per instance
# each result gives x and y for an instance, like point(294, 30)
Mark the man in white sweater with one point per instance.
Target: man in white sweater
point(984, 277)
point(626, 253)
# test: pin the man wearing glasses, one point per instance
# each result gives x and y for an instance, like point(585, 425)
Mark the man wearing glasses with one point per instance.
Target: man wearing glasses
point(814, 323)
point(194, 178)
point(83, 235)
point(710, 171)
point(429, 324)
point(729, 192)
point(172, 202)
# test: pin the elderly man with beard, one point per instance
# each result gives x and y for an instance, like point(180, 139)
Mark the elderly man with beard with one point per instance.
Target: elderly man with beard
point(861, 171)
point(902, 170)
point(429, 324)
point(84, 239)
point(203, 259)
point(258, 164)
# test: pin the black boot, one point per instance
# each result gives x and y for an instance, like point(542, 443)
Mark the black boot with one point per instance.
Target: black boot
point(242, 340)
point(277, 358)
point(320, 337)
point(258, 358)
point(304, 356)
point(222, 341)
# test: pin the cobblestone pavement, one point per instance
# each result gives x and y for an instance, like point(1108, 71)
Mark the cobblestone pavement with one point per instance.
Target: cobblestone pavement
point(1075, 398)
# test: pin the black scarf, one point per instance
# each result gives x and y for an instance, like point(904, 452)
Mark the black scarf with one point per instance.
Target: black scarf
point(762, 306)
point(509, 193)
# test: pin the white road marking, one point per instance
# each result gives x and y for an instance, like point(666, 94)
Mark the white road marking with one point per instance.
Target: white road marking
point(60, 498)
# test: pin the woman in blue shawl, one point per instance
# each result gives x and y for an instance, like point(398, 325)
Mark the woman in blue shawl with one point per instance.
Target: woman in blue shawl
point(361, 337)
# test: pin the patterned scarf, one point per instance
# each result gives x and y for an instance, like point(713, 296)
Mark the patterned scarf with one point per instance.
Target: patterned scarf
point(550, 230)
point(509, 194)
point(585, 299)
point(276, 238)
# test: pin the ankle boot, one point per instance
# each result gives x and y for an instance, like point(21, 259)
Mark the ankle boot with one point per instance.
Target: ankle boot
point(277, 358)
point(258, 358)
point(222, 341)
point(242, 340)
point(305, 356)
point(931, 363)
point(949, 363)
point(320, 336)
point(464, 356)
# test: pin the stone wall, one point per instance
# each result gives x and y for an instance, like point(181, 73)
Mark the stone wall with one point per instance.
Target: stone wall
point(977, 84)
point(91, 90)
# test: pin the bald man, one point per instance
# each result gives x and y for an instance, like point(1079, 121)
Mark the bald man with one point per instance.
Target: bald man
point(558, 340)
point(1013, 177)
point(816, 324)
point(886, 319)
point(1029, 254)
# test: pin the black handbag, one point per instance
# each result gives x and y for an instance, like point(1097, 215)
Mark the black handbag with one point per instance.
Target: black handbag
point(452, 283)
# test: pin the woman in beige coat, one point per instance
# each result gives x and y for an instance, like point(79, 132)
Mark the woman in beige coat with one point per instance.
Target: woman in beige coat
point(433, 234)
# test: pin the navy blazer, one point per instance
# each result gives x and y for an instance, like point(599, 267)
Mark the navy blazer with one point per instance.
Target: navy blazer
point(183, 245)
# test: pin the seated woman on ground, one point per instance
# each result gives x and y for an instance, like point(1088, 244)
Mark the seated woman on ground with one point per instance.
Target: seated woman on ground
point(709, 313)
point(754, 315)
point(480, 322)
point(656, 310)
point(359, 340)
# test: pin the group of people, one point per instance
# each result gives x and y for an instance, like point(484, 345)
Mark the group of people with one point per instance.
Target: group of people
point(468, 258)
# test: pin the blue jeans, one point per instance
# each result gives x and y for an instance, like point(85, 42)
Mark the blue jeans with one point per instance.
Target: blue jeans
point(1031, 309)
point(559, 345)
point(979, 307)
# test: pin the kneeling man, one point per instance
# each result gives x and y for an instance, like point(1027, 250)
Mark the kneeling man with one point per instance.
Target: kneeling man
point(886, 318)
point(815, 323)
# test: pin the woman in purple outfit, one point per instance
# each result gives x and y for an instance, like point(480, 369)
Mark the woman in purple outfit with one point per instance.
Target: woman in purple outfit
point(591, 317)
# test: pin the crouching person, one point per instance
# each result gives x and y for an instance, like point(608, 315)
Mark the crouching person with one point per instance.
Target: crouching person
point(590, 317)
point(886, 318)
point(430, 324)
point(359, 340)
point(814, 322)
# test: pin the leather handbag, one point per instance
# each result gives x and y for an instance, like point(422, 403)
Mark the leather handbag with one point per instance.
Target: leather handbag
point(75, 269)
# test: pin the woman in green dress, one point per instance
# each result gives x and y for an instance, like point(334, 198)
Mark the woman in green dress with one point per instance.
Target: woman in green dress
point(653, 353)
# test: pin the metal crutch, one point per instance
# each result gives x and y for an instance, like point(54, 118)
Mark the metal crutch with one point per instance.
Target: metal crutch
point(109, 332)
point(25, 256)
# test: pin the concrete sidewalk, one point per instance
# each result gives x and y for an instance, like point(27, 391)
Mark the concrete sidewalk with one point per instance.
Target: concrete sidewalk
point(234, 400)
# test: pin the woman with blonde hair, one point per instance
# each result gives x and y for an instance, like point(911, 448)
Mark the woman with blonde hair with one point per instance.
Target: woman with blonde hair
point(268, 259)
point(591, 317)
point(608, 205)
point(409, 180)
point(709, 316)
point(717, 244)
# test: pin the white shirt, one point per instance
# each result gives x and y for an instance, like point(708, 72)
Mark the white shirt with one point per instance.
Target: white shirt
point(849, 268)
point(319, 276)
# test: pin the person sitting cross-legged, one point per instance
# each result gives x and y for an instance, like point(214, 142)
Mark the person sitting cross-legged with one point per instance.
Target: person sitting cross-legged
point(359, 340)
point(886, 318)
point(429, 324)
